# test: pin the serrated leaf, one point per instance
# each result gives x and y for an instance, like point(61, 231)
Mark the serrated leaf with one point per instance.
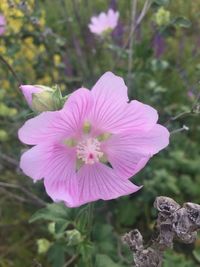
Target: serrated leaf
point(56, 212)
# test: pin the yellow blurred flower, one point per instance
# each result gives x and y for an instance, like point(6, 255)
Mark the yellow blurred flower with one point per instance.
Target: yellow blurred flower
point(57, 59)
point(5, 84)
point(2, 49)
point(42, 48)
point(47, 80)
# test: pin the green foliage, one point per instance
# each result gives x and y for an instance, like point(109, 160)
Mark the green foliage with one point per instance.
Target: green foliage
point(57, 212)
point(182, 22)
point(174, 259)
point(103, 260)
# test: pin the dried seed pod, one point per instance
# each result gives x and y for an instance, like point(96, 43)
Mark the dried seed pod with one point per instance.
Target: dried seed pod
point(173, 221)
point(134, 240)
point(166, 205)
point(148, 258)
point(193, 211)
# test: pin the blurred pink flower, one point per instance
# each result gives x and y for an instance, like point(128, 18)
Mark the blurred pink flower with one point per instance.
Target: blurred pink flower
point(104, 22)
point(2, 24)
point(29, 90)
point(89, 149)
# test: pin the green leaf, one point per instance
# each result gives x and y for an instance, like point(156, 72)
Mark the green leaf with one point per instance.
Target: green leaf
point(196, 254)
point(56, 255)
point(103, 260)
point(182, 22)
point(56, 212)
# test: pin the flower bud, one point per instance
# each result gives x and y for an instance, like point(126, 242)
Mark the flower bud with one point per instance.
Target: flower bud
point(73, 237)
point(29, 90)
point(3, 135)
point(162, 17)
point(43, 245)
point(51, 227)
point(42, 98)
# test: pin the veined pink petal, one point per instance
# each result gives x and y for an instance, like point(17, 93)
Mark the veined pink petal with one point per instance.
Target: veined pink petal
point(111, 112)
point(129, 152)
point(77, 108)
point(54, 126)
point(34, 161)
point(110, 99)
point(153, 141)
point(124, 158)
point(98, 181)
point(111, 86)
point(48, 126)
point(136, 116)
point(56, 164)
point(60, 177)
point(121, 153)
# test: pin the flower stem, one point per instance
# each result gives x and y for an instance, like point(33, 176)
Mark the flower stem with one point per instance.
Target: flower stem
point(90, 218)
point(3, 60)
point(89, 229)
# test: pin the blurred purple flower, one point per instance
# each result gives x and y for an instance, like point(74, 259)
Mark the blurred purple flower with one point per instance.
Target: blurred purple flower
point(191, 95)
point(158, 45)
point(118, 32)
point(113, 5)
point(2, 24)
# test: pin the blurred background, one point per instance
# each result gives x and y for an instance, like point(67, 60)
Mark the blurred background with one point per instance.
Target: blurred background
point(49, 43)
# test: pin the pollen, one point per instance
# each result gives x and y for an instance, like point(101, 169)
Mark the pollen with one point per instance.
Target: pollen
point(89, 151)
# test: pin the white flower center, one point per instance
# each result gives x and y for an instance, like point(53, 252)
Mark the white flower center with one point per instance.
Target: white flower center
point(89, 151)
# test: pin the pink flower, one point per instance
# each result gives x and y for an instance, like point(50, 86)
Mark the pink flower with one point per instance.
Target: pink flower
point(29, 90)
point(2, 24)
point(89, 149)
point(104, 22)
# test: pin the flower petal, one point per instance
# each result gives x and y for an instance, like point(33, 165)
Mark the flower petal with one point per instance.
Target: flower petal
point(125, 160)
point(99, 181)
point(77, 108)
point(111, 86)
point(60, 178)
point(46, 126)
point(56, 125)
point(110, 99)
point(136, 116)
point(112, 17)
point(56, 164)
point(129, 153)
point(153, 141)
point(34, 161)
